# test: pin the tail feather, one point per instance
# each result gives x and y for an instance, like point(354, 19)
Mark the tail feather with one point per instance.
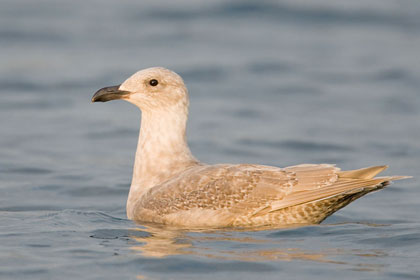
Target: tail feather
point(394, 178)
point(344, 185)
point(328, 198)
point(364, 173)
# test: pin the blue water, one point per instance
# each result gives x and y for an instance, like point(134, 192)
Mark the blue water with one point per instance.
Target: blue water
point(271, 82)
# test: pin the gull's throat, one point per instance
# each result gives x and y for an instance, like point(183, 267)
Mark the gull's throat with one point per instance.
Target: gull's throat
point(162, 150)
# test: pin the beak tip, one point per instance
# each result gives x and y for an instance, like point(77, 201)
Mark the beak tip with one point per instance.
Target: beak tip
point(108, 93)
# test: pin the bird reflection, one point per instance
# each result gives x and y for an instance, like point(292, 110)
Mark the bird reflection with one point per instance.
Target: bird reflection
point(161, 242)
point(164, 241)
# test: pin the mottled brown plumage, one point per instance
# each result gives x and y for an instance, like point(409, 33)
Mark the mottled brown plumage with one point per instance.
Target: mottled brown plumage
point(253, 195)
point(171, 187)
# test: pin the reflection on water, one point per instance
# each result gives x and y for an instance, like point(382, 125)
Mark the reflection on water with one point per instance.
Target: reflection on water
point(161, 242)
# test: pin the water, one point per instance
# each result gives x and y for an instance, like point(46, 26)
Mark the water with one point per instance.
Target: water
point(270, 83)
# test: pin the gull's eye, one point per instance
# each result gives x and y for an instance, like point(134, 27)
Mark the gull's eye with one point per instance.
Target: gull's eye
point(153, 82)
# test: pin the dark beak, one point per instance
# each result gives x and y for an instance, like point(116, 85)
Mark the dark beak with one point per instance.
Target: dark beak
point(109, 93)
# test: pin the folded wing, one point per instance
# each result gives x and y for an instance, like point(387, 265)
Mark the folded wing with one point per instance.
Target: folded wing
point(256, 190)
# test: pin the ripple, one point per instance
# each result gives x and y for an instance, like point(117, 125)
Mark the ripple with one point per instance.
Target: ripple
point(391, 75)
point(294, 145)
point(297, 232)
point(93, 191)
point(31, 36)
point(195, 266)
point(246, 113)
point(310, 14)
point(114, 133)
point(22, 85)
point(294, 90)
point(270, 67)
point(39, 245)
point(81, 218)
point(204, 73)
point(26, 170)
point(29, 208)
point(117, 233)
point(398, 241)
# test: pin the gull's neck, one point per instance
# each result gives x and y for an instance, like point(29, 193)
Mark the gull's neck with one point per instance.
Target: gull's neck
point(162, 150)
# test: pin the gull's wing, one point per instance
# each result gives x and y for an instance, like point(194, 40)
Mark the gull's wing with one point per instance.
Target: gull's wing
point(254, 190)
point(239, 188)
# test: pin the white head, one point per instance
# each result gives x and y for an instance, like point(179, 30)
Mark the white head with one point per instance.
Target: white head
point(149, 89)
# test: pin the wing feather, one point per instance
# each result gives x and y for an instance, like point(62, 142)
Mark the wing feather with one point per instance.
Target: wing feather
point(254, 190)
point(342, 186)
point(313, 176)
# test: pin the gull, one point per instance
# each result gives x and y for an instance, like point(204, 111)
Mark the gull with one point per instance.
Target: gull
point(170, 186)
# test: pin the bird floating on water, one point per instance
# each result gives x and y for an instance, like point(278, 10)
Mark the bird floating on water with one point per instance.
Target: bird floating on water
point(170, 186)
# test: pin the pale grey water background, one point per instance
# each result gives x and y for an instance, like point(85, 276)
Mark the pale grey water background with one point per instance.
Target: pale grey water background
point(270, 82)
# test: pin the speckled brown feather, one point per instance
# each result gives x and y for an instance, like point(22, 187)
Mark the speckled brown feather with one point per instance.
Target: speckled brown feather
point(252, 195)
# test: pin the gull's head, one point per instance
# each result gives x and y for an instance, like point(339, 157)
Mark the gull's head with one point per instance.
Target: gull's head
point(149, 89)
